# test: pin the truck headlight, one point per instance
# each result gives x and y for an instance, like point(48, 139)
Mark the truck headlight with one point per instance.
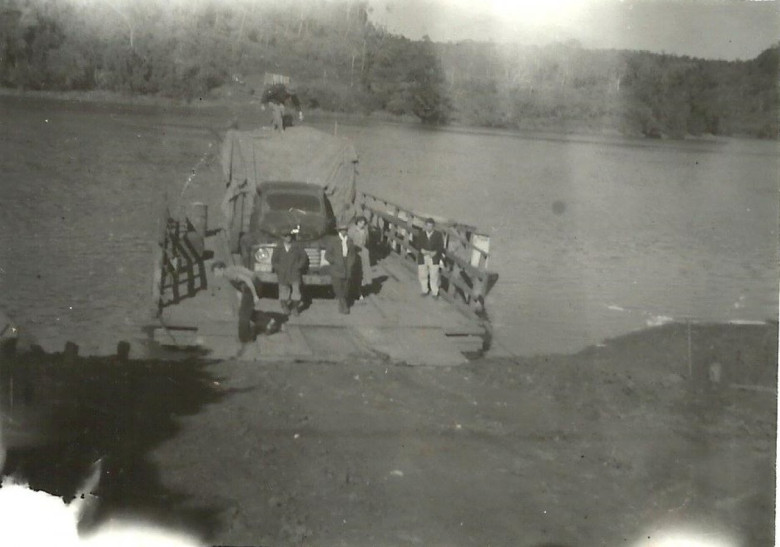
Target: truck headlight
point(263, 259)
point(262, 255)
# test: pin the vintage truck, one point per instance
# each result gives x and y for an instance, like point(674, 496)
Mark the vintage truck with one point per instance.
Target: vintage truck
point(302, 181)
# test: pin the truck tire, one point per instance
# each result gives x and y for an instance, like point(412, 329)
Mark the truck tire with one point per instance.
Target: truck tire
point(245, 312)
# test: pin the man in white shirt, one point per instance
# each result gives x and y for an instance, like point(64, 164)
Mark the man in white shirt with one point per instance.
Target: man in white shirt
point(430, 244)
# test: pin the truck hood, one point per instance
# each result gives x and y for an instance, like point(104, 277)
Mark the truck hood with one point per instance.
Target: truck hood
point(311, 225)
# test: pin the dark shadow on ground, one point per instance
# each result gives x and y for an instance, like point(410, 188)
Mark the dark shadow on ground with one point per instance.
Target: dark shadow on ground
point(61, 413)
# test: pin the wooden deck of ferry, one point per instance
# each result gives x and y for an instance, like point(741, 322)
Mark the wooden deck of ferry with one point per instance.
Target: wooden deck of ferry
point(395, 323)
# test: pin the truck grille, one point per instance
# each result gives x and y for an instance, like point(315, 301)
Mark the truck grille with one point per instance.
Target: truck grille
point(314, 257)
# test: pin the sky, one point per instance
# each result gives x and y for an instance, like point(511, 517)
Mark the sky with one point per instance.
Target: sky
point(712, 29)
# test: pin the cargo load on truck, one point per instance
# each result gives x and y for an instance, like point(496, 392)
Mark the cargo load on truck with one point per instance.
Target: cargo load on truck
point(303, 180)
point(300, 154)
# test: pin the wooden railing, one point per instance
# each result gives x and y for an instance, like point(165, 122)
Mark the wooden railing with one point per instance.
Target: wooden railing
point(179, 270)
point(466, 279)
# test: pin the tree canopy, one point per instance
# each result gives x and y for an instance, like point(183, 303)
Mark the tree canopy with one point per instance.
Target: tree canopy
point(341, 61)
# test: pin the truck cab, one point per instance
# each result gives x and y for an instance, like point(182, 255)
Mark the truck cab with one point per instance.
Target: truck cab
point(278, 208)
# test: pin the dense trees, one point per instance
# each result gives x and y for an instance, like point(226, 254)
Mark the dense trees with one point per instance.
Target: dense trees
point(405, 77)
point(341, 61)
point(637, 92)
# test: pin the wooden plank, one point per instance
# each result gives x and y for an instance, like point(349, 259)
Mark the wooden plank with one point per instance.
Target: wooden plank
point(373, 301)
point(499, 351)
point(385, 268)
point(287, 343)
point(332, 342)
point(464, 308)
point(466, 329)
point(468, 344)
point(402, 270)
point(220, 346)
point(414, 346)
point(298, 340)
point(174, 337)
point(219, 328)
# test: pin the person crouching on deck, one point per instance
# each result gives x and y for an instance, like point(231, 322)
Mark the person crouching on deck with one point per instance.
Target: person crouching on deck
point(430, 243)
point(289, 261)
point(340, 253)
point(240, 278)
point(358, 233)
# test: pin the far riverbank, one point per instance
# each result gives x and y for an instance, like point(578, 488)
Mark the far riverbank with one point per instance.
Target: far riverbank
point(237, 107)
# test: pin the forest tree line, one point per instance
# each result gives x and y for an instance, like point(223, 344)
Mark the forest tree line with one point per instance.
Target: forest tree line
point(341, 61)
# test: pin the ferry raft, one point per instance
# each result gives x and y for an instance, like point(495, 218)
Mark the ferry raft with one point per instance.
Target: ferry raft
point(194, 311)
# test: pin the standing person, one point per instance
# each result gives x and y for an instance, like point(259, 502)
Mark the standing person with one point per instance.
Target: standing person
point(247, 286)
point(277, 97)
point(430, 243)
point(289, 261)
point(340, 253)
point(359, 234)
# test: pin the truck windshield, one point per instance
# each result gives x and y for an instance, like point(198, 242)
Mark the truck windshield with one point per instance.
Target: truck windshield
point(301, 202)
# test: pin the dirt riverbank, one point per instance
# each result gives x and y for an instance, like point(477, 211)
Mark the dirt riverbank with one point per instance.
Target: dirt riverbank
point(598, 448)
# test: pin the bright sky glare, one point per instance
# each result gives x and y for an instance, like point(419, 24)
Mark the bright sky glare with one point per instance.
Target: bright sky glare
point(715, 29)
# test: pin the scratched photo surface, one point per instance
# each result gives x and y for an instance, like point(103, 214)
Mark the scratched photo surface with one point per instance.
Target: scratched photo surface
point(599, 365)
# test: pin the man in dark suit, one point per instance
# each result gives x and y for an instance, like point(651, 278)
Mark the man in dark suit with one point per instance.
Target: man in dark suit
point(430, 243)
point(289, 261)
point(341, 254)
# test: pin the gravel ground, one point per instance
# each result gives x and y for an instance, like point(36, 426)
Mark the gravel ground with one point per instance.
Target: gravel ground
point(603, 447)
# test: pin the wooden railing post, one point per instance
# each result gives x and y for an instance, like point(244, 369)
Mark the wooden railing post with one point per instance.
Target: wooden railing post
point(395, 244)
point(174, 274)
point(452, 287)
point(194, 259)
point(479, 303)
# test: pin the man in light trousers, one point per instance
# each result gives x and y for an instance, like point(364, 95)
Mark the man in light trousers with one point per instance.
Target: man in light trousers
point(430, 243)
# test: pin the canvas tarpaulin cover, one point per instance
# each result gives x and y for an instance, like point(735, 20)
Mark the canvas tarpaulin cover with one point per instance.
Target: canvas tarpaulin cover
point(299, 154)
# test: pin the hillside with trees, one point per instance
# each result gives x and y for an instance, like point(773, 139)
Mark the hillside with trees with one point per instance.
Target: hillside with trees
point(341, 61)
point(634, 92)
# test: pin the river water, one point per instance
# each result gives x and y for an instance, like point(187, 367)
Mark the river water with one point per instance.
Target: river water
point(591, 237)
point(596, 237)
